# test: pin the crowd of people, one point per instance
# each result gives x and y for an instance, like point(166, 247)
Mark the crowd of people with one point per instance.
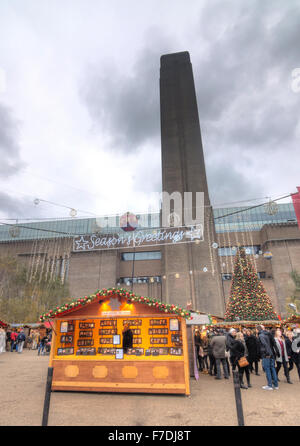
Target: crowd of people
point(232, 350)
point(13, 340)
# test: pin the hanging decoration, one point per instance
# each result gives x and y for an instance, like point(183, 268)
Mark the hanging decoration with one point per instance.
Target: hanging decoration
point(128, 222)
point(268, 255)
point(271, 207)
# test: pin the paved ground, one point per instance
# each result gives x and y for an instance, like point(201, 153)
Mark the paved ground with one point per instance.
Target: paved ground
point(22, 391)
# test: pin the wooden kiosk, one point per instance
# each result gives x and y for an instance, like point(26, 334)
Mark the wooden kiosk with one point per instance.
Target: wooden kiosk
point(87, 355)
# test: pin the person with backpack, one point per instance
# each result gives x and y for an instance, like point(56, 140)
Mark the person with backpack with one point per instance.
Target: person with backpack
point(20, 341)
point(268, 351)
point(13, 340)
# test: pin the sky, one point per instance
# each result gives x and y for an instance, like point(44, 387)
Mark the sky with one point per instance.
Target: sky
point(79, 101)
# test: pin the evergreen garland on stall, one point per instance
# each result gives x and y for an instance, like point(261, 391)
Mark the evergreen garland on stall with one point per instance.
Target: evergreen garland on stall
point(248, 299)
point(105, 293)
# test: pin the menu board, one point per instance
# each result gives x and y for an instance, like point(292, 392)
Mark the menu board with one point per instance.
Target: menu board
point(106, 351)
point(158, 321)
point(85, 342)
point(151, 337)
point(108, 323)
point(156, 331)
point(106, 340)
point(133, 322)
point(66, 339)
point(85, 325)
point(176, 351)
point(135, 351)
point(176, 339)
point(86, 334)
point(86, 351)
point(108, 331)
point(158, 340)
point(65, 351)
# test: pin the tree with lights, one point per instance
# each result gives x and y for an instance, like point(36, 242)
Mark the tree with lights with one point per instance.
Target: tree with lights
point(248, 299)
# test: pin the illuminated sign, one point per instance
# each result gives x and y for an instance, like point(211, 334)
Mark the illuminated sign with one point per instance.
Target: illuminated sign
point(155, 237)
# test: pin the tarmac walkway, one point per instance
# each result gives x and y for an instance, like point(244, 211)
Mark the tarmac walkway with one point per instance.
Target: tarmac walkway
point(211, 403)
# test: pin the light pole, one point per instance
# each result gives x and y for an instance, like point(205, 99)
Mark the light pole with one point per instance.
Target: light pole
point(293, 306)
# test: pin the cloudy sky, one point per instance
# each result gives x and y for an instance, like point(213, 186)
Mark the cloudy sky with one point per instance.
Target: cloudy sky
point(79, 100)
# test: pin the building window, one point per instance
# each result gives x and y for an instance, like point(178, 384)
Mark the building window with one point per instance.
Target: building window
point(226, 276)
point(230, 251)
point(141, 255)
point(261, 275)
point(139, 280)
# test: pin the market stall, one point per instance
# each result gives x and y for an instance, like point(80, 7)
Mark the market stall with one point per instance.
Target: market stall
point(3, 324)
point(292, 321)
point(87, 351)
point(239, 325)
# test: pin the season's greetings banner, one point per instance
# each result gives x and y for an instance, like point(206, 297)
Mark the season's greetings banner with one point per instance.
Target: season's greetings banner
point(155, 237)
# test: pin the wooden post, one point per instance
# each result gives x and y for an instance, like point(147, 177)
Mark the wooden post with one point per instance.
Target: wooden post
point(238, 398)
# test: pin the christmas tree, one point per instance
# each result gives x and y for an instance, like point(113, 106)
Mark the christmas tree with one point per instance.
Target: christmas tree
point(248, 299)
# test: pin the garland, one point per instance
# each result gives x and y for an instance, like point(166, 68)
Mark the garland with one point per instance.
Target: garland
point(294, 319)
point(103, 294)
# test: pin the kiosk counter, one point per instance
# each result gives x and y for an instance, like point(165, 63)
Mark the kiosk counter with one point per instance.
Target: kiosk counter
point(87, 351)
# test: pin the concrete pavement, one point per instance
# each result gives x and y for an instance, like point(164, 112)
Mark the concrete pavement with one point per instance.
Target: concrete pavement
point(211, 403)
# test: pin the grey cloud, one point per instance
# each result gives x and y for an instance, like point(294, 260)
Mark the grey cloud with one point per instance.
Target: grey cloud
point(9, 147)
point(11, 206)
point(241, 114)
point(127, 106)
point(226, 184)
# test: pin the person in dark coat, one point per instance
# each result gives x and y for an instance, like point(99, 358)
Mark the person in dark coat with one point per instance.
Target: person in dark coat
point(198, 345)
point(212, 361)
point(268, 351)
point(288, 336)
point(127, 338)
point(230, 338)
point(8, 340)
point(218, 344)
point(253, 348)
point(238, 350)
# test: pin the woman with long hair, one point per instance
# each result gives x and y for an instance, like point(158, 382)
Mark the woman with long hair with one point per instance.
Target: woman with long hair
point(282, 359)
point(252, 343)
point(239, 349)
